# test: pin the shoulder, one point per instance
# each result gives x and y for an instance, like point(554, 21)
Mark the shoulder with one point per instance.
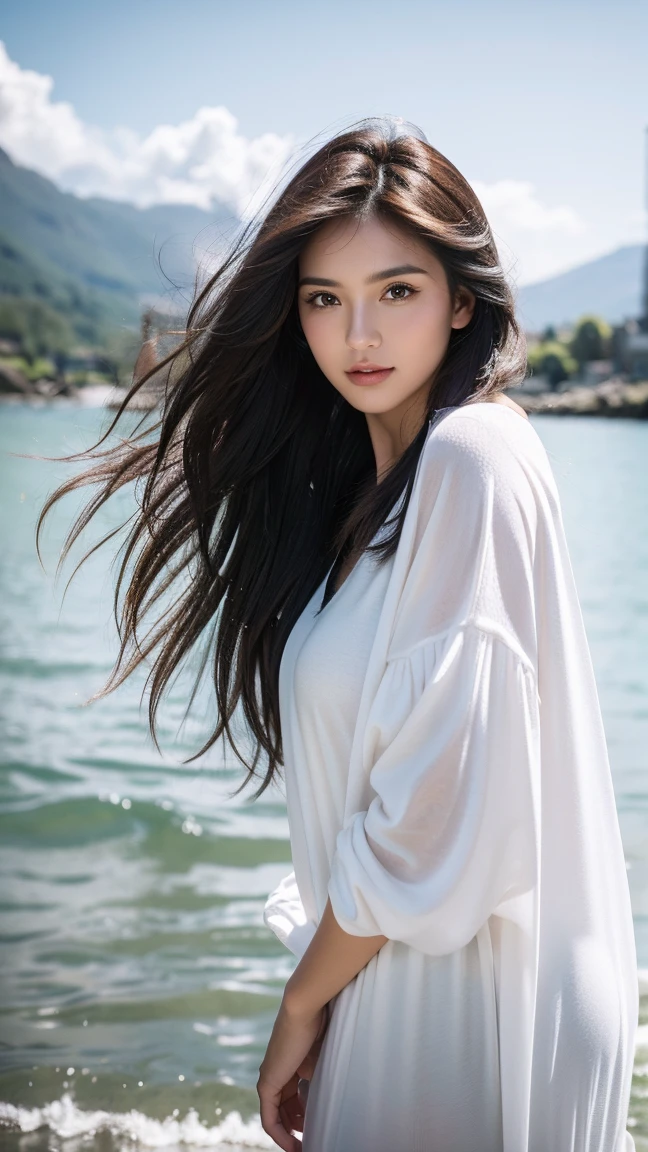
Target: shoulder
point(482, 461)
point(485, 443)
point(493, 433)
point(470, 549)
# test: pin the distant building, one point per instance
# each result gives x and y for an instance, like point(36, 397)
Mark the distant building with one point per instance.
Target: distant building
point(630, 349)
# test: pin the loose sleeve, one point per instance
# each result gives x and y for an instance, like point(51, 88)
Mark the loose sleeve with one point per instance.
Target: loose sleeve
point(450, 834)
point(284, 914)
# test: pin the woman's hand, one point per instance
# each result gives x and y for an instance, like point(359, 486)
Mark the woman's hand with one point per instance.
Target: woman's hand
point(292, 1109)
point(292, 1053)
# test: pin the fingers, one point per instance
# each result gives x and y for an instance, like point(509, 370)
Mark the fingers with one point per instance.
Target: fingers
point(291, 1114)
point(272, 1122)
point(283, 1109)
point(291, 1107)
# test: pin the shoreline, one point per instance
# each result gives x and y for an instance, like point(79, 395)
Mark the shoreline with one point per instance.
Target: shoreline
point(614, 398)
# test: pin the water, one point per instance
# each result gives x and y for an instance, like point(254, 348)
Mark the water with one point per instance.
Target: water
point(140, 984)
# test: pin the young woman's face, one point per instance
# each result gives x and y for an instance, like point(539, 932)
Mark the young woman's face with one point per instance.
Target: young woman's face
point(373, 296)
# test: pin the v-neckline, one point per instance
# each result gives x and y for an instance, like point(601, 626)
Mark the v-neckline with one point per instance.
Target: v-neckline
point(337, 591)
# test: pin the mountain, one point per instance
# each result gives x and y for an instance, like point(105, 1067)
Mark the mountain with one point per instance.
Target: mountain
point(609, 287)
point(98, 258)
point(97, 261)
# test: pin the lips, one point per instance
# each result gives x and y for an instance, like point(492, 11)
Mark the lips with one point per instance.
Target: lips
point(368, 373)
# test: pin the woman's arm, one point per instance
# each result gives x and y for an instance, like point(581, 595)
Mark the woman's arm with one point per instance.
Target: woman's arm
point(331, 960)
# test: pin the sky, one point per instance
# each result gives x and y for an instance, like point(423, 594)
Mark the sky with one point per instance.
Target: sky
point(542, 105)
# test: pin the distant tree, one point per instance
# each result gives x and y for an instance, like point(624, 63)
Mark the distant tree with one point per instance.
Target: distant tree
point(552, 360)
point(37, 328)
point(590, 340)
point(549, 334)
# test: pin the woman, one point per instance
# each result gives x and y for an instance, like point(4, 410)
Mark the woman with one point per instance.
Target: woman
point(374, 531)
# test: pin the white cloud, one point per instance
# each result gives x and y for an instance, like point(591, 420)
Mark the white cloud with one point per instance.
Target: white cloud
point(207, 159)
point(534, 241)
point(195, 162)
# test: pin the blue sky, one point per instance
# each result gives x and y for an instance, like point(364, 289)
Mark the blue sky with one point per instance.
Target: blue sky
point(543, 106)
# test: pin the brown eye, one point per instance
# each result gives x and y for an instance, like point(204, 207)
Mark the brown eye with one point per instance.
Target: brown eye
point(328, 296)
point(401, 289)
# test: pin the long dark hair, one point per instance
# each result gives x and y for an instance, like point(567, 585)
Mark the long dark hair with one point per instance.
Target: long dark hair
point(258, 475)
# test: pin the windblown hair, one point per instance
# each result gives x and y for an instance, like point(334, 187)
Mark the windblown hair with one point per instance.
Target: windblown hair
point(260, 478)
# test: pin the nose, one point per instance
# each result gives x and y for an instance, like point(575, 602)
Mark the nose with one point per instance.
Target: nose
point(361, 332)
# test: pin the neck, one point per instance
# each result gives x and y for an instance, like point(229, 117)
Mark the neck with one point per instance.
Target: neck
point(392, 432)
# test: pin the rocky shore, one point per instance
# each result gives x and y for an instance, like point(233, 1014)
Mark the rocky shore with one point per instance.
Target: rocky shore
point(615, 397)
point(611, 398)
point(16, 389)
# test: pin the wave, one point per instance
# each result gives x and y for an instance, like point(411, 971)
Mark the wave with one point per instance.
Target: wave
point(66, 1120)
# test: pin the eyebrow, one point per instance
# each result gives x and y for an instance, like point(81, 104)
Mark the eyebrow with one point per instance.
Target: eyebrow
point(401, 270)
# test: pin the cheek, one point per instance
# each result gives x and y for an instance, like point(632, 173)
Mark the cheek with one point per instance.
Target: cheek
point(424, 318)
point(318, 330)
point(422, 332)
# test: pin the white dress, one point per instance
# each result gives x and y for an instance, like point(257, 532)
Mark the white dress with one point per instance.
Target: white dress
point(448, 786)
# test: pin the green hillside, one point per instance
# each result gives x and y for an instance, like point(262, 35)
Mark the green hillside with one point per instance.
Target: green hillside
point(27, 277)
point(96, 261)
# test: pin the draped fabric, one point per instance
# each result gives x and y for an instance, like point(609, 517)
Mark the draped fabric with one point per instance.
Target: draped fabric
point(448, 786)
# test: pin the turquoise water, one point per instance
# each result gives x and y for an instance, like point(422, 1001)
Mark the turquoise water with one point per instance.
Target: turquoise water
point(139, 982)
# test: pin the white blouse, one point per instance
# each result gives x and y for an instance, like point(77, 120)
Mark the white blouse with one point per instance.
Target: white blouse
point(448, 786)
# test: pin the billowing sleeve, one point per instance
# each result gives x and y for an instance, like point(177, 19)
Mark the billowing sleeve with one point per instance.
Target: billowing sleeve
point(285, 915)
point(451, 829)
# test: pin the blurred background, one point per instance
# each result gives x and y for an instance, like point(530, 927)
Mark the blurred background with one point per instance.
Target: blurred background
point(139, 983)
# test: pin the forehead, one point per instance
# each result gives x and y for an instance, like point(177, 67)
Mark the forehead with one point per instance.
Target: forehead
point(347, 240)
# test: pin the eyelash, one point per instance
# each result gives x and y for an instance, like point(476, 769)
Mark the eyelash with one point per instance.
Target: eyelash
point(397, 284)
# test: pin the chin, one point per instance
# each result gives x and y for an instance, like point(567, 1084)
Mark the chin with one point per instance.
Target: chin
point(372, 401)
point(373, 404)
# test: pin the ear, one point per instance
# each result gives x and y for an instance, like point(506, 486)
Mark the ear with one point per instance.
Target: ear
point(464, 307)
